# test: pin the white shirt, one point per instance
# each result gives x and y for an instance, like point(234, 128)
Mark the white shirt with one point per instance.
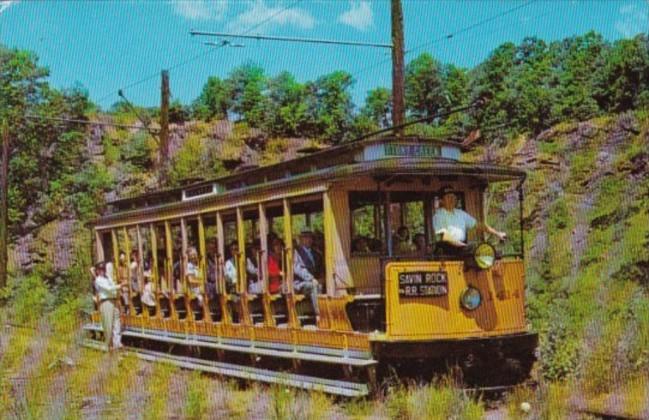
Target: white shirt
point(455, 223)
point(230, 270)
point(106, 288)
point(147, 295)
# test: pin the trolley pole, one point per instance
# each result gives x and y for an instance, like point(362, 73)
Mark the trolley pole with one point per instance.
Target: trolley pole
point(4, 183)
point(164, 127)
point(398, 105)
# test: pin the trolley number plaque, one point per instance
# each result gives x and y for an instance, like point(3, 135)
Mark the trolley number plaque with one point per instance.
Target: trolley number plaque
point(423, 283)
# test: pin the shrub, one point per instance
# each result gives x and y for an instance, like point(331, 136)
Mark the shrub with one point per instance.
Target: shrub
point(30, 299)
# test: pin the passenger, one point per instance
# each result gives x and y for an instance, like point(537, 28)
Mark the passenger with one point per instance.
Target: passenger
point(122, 280)
point(307, 268)
point(376, 245)
point(212, 250)
point(230, 268)
point(255, 285)
point(422, 249)
point(148, 296)
point(361, 245)
point(134, 271)
point(275, 273)
point(402, 244)
point(107, 292)
point(193, 274)
point(452, 223)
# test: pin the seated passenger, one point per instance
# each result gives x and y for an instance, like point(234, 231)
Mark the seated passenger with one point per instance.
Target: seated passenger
point(231, 265)
point(211, 270)
point(452, 223)
point(307, 268)
point(148, 296)
point(275, 274)
point(361, 245)
point(122, 281)
point(134, 272)
point(402, 244)
point(193, 273)
point(255, 285)
point(421, 247)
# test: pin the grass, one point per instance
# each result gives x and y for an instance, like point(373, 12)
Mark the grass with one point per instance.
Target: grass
point(157, 387)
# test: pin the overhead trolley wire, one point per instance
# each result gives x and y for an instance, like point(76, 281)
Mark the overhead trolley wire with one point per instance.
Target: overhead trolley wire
point(448, 36)
point(197, 56)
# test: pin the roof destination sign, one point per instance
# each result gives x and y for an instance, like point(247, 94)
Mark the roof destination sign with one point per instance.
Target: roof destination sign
point(413, 150)
point(418, 150)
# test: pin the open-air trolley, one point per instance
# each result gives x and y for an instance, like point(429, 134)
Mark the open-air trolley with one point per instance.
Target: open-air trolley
point(384, 308)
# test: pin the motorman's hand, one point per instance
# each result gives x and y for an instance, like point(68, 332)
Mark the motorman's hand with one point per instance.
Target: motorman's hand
point(501, 236)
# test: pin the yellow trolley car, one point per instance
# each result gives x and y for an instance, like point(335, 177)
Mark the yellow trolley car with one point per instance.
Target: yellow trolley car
point(383, 306)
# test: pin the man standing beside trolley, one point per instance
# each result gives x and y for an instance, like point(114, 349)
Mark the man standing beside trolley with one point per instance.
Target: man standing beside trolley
point(107, 295)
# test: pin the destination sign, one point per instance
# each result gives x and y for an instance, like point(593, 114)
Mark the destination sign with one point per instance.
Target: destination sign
point(423, 283)
point(413, 150)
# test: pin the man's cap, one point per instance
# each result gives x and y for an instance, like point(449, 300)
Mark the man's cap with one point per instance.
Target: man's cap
point(306, 233)
point(100, 266)
point(446, 189)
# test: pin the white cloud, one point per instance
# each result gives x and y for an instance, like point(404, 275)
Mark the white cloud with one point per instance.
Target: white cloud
point(259, 12)
point(358, 16)
point(4, 5)
point(200, 9)
point(633, 20)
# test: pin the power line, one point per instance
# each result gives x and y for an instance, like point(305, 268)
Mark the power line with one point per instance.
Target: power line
point(71, 120)
point(197, 56)
point(448, 36)
point(292, 39)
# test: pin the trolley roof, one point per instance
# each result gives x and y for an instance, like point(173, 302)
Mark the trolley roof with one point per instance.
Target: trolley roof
point(385, 156)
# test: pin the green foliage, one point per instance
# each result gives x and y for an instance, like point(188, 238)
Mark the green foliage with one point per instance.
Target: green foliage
point(86, 190)
point(378, 108)
point(198, 156)
point(30, 297)
point(214, 101)
point(140, 150)
point(196, 404)
point(441, 400)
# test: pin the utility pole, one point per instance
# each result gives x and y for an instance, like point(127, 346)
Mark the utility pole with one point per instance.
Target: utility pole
point(164, 127)
point(398, 105)
point(4, 182)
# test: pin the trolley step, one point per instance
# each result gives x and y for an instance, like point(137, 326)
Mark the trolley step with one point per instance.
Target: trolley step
point(305, 353)
point(312, 383)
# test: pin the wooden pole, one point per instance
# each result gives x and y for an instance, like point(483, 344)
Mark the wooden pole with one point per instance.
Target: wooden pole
point(4, 183)
point(398, 105)
point(164, 128)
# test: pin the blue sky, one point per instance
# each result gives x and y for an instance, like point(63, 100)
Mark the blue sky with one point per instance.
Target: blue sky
point(110, 45)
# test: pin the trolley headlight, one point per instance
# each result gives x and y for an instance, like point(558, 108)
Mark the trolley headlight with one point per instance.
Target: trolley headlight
point(484, 256)
point(470, 298)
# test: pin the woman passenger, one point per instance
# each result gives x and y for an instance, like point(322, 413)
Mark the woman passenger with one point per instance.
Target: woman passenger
point(193, 274)
point(275, 274)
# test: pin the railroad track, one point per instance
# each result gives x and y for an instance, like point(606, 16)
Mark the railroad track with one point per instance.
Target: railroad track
point(306, 382)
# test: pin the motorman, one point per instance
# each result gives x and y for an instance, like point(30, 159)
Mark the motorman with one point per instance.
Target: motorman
point(451, 224)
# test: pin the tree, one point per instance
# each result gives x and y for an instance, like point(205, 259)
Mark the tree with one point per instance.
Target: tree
point(622, 74)
point(424, 88)
point(378, 107)
point(246, 85)
point(332, 104)
point(286, 114)
point(575, 61)
point(214, 100)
